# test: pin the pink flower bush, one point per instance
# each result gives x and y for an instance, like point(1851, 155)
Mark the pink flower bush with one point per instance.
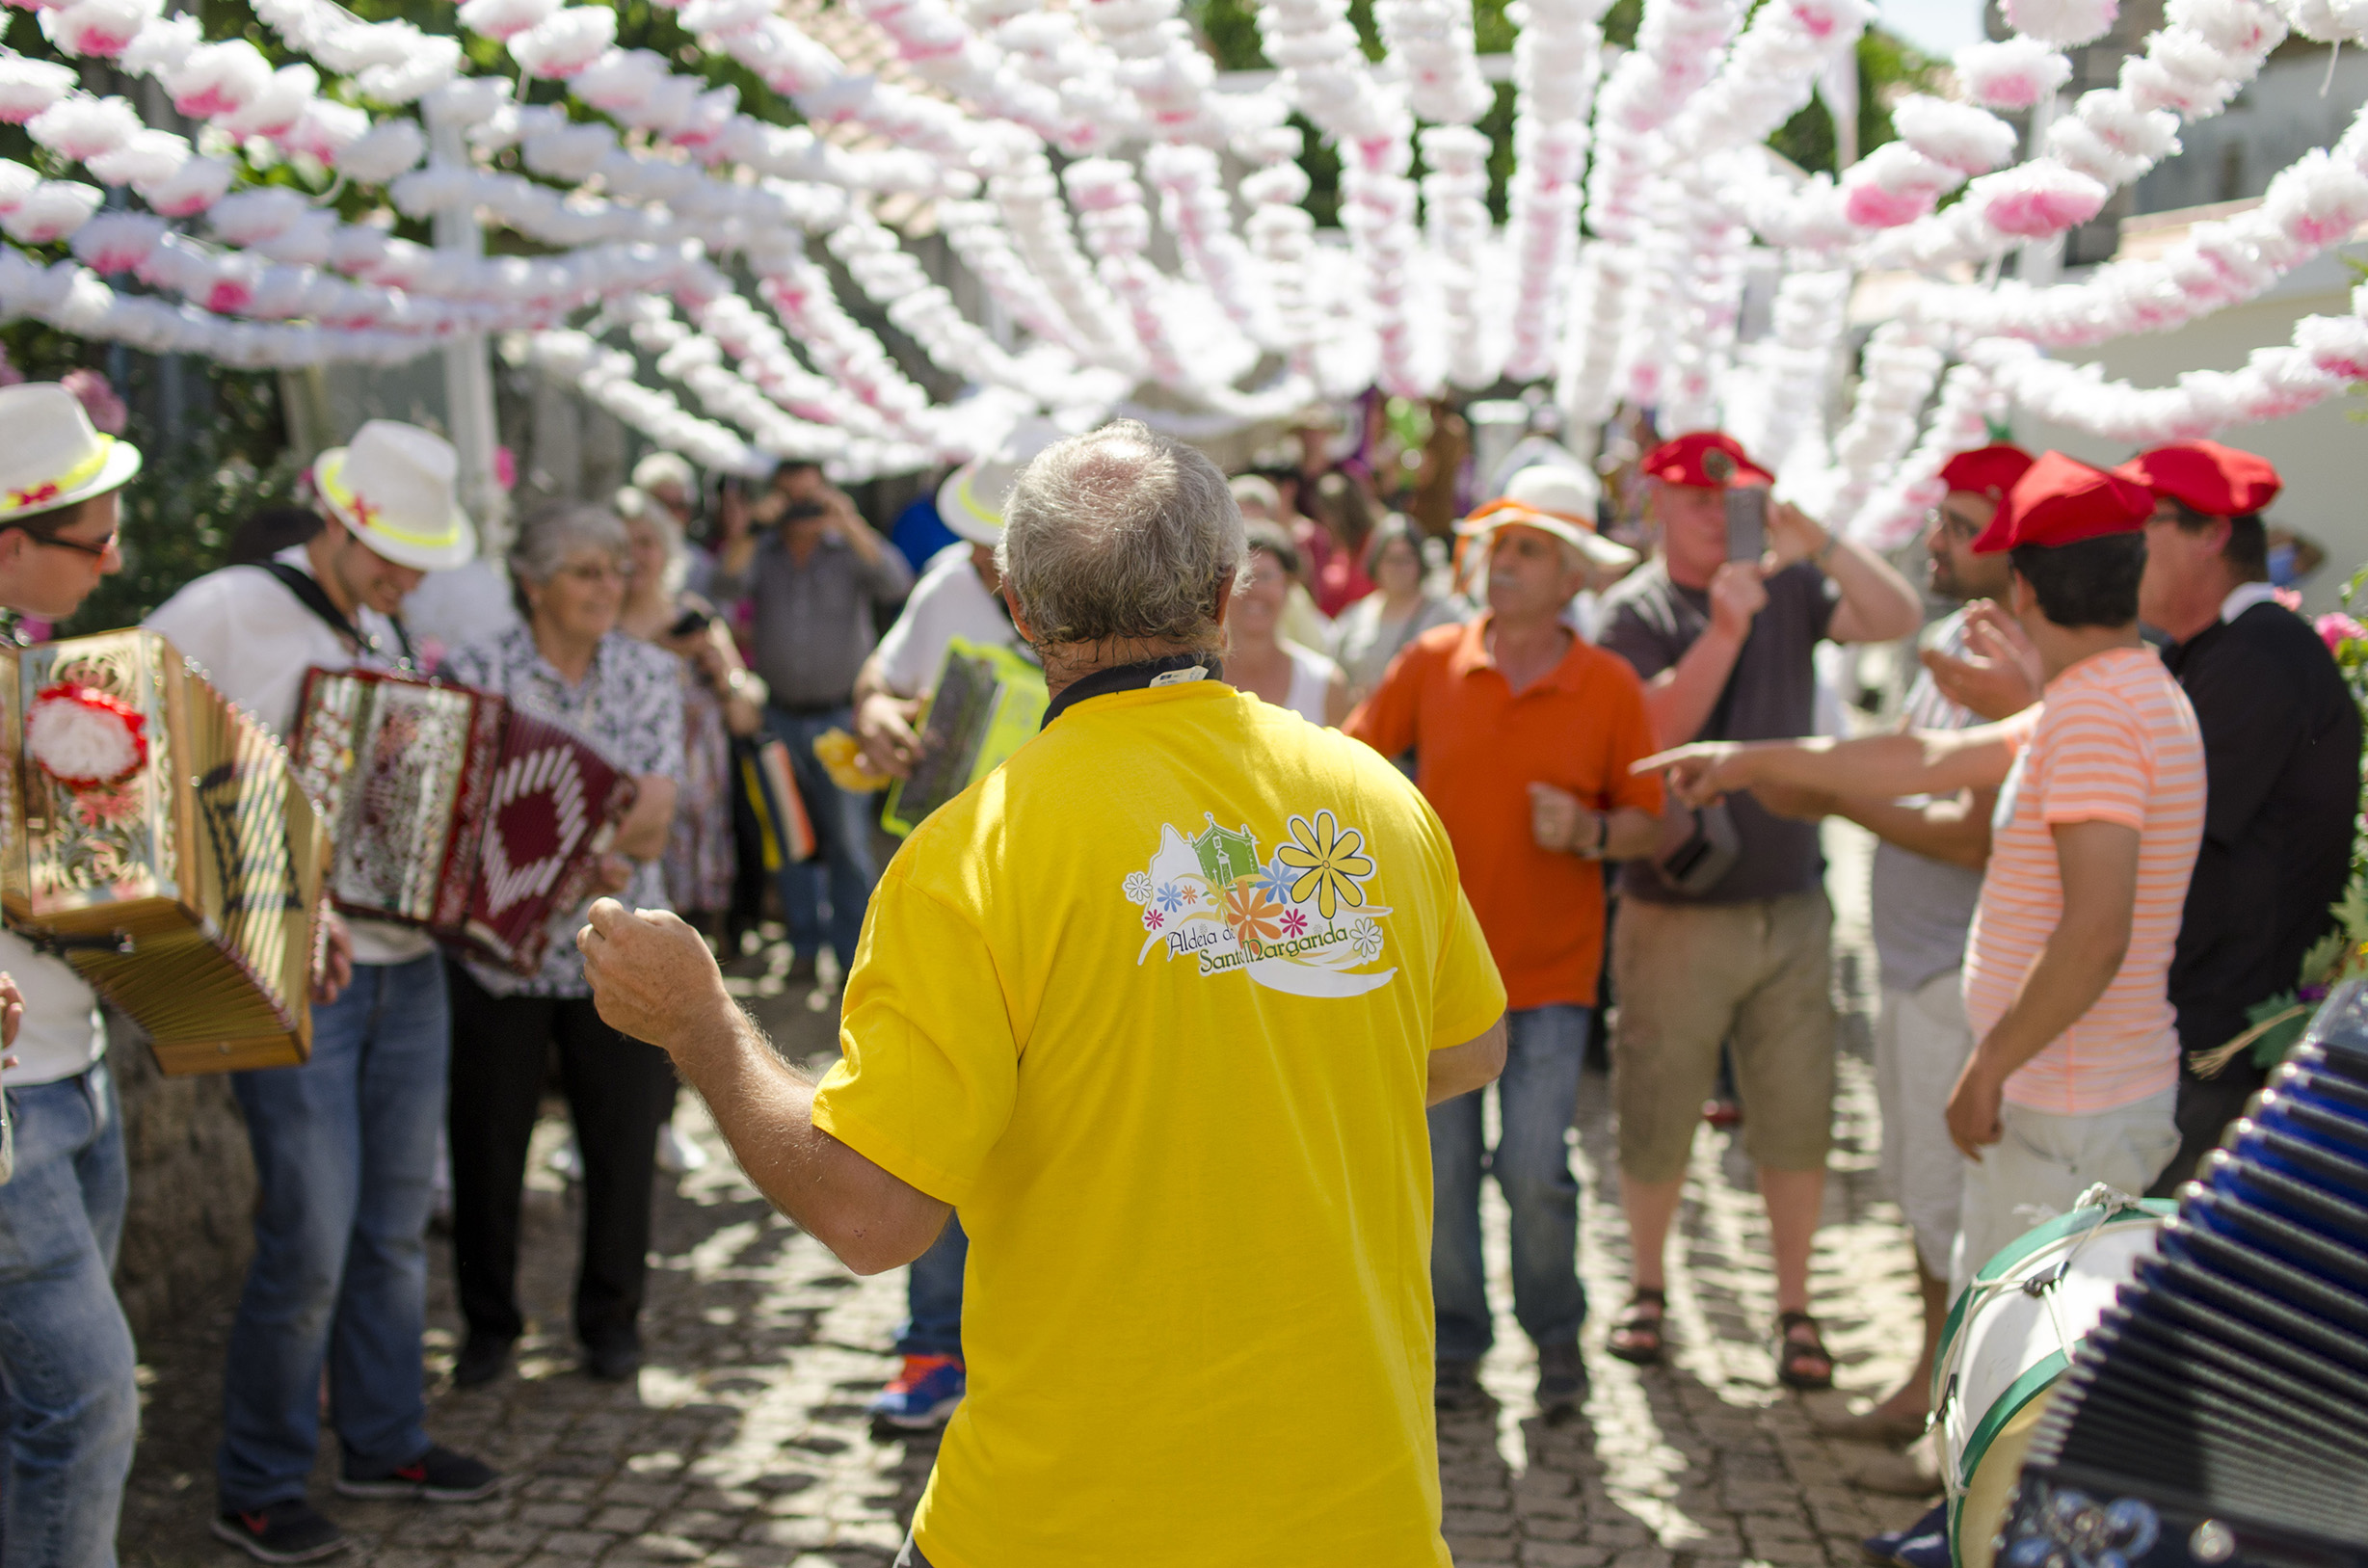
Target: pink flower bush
point(2337, 629)
point(98, 400)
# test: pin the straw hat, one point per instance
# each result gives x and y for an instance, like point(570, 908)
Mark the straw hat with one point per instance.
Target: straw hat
point(51, 455)
point(971, 501)
point(1555, 500)
point(391, 487)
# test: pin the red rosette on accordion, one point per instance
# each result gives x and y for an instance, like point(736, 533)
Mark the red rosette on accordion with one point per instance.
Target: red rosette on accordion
point(552, 812)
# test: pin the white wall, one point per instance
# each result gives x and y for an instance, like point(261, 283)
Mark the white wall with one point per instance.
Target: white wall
point(2322, 452)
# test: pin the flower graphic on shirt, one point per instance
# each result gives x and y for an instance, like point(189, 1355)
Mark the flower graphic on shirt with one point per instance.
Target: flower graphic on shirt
point(1365, 938)
point(1325, 856)
point(1253, 916)
point(1138, 887)
point(1152, 919)
point(1295, 924)
point(1173, 897)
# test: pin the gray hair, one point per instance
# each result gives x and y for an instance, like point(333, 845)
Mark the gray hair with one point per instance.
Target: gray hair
point(635, 505)
point(663, 468)
point(1122, 535)
point(554, 533)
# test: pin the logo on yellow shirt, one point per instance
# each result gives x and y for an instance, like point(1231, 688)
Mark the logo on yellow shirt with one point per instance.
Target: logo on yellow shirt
point(1298, 921)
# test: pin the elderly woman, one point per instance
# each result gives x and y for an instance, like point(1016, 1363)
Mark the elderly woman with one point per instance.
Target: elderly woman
point(573, 664)
point(1370, 632)
point(1259, 659)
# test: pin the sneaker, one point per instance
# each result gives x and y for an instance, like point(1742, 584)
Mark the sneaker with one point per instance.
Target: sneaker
point(1456, 1384)
point(677, 1154)
point(923, 1395)
point(289, 1530)
point(1561, 1378)
point(438, 1476)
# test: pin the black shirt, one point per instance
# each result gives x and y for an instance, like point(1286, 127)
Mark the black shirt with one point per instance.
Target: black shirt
point(2282, 746)
point(1650, 622)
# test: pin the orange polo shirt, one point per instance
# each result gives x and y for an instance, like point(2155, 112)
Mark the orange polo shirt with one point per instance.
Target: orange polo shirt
point(1478, 748)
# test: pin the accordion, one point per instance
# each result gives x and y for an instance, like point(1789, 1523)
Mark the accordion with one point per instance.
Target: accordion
point(2218, 1413)
point(155, 837)
point(987, 704)
point(452, 811)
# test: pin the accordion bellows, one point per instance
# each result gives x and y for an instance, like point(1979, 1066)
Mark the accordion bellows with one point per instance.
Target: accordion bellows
point(186, 888)
point(453, 811)
point(2218, 1413)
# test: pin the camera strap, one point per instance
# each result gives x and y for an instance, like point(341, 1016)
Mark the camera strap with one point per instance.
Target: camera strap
point(313, 597)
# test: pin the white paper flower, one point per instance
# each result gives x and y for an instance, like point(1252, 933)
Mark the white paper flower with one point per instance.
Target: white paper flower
point(84, 738)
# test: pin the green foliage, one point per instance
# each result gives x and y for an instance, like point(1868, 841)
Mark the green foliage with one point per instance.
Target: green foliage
point(1887, 69)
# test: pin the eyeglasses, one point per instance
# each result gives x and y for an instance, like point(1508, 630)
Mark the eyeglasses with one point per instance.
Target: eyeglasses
point(1964, 530)
point(97, 552)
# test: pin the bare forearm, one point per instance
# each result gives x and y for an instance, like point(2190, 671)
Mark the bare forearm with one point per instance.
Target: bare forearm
point(2073, 971)
point(1878, 604)
point(1680, 699)
point(1629, 834)
point(1956, 831)
point(643, 833)
point(765, 1110)
point(1461, 1069)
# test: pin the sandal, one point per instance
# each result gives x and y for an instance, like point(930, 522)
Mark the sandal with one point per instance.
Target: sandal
point(1793, 1355)
point(1636, 1338)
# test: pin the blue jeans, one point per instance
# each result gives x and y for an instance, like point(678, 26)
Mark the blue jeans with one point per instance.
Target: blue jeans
point(1537, 1099)
point(345, 1156)
point(67, 1391)
point(841, 867)
point(933, 1295)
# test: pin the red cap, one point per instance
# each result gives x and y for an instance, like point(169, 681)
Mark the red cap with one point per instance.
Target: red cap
point(1705, 459)
point(2061, 500)
point(2218, 481)
point(1990, 471)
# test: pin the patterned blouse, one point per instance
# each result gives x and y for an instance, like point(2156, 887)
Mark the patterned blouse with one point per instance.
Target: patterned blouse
point(630, 707)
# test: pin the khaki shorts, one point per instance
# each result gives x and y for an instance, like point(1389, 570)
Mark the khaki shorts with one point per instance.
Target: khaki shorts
point(1692, 975)
point(2042, 1163)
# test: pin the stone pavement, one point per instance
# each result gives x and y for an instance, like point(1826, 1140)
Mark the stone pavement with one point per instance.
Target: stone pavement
point(745, 1443)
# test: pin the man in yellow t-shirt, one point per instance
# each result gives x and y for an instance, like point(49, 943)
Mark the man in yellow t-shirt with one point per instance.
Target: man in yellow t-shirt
point(1159, 1005)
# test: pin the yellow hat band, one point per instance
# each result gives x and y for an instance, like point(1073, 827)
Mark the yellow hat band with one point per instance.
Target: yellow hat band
point(36, 496)
point(366, 516)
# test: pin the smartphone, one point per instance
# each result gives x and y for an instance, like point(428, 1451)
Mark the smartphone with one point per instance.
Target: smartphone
point(1746, 523)
point(693, 621)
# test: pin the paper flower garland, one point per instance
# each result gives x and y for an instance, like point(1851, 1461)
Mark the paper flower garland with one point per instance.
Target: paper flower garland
point(84, 738)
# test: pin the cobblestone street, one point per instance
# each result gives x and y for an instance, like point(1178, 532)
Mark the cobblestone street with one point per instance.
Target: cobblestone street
point(745, 1441)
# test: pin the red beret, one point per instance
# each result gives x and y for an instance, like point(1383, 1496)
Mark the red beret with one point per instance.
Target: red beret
point(1706, 458)
point(1990, 471)
point(2061, 500)
point(2218, 481)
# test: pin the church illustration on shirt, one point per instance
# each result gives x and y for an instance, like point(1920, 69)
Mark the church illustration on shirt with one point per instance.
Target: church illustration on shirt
point(1298, 921)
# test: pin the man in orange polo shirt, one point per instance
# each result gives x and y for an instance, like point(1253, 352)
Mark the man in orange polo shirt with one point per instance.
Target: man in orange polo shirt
point(1522, 735)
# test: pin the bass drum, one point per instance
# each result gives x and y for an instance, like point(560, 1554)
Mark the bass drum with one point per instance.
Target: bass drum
point(2010, 1336)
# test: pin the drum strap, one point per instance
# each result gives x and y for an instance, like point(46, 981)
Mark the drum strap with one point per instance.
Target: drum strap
point(313, 597)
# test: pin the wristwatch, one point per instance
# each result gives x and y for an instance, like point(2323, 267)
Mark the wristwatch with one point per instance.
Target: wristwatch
point(1602, 835)
point(1824, 552)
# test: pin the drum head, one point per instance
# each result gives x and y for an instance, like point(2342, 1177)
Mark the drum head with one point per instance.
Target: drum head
point(1976, 1518)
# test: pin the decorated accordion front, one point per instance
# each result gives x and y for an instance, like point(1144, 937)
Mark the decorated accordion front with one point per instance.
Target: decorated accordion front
point(2218, 1413)
point(453, 811)
point(156, 837)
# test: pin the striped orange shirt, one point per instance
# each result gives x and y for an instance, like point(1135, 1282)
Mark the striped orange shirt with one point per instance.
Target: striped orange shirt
point(2114, 741)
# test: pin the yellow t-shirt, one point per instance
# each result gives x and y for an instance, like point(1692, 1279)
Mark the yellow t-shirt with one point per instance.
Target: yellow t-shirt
point(1152, 1004)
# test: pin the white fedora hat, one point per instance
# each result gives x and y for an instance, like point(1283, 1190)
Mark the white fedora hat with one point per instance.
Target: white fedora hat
point(971, 501)
point(391, 487)
point(51, 455)
point(1557, 500)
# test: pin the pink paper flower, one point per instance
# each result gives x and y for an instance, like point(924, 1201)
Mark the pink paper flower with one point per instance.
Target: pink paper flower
point(98, 400)
point(2337, 629)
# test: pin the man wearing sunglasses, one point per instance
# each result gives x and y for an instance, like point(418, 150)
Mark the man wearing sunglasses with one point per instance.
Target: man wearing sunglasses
point(68, 1405)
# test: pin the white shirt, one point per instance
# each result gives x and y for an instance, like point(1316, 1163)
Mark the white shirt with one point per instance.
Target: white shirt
point(62, 1036)
point(451, 609)
point(948, 601)
point(1311, 678)
point(255, 640)
point(2245, 595)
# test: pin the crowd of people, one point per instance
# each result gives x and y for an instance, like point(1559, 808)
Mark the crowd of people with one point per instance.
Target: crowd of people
point(1562, 780)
